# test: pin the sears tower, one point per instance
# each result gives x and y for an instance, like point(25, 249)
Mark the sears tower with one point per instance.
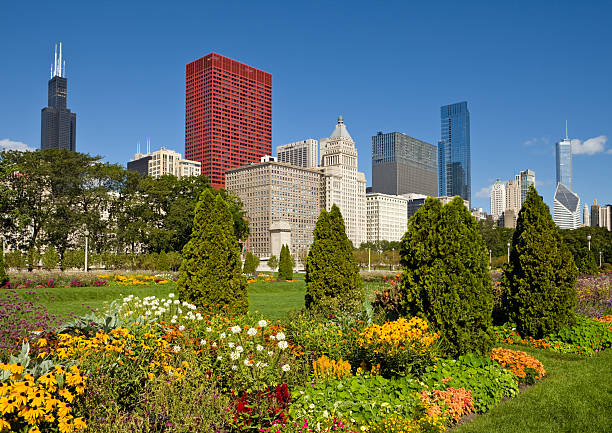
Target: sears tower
point(58, 123)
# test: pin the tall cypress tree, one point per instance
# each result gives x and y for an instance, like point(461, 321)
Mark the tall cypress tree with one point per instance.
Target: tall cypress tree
point(446, 278)
point(285, 264)
point(211, 273)
point(332, 278)
point(3, 275)
point(538, 292)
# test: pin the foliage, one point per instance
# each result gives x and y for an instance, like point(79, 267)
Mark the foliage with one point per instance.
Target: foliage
point(251, 263)
point(496, 238)
point(446, 278)
point(50, 258)
point(538, 283)
point(273, 262)
point(3, 275)
point(211, 272)
point(577, 243)
point(162, 262)
point(285, 264)
point(332, 275)
point(388, 302)
point(399, 347)
point(526, 368)
point(488, 381)
point(594, 295)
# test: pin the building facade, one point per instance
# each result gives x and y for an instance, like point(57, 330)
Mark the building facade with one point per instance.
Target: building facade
point(343, 185)
point(605, 217)
point(402, 164)
point(498, 200)
point(525, 179)
point(586, 216)
point(164, 162)
point(414, 202)
point(273, 193)
point(566, 208)
point(454, 161)
point(513, 196)
point(301, 153)
point(58, 123)
point(563, 156)
point(228, 115)
point(387, 217)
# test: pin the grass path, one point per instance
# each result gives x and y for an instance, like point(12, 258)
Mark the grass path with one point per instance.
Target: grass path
point(575, 396)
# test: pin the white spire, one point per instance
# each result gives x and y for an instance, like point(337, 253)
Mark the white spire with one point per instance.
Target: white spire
point(55, 62)
point(58, 69)
point(60, 61)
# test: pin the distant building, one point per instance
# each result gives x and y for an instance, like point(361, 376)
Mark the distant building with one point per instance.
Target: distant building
point(58, 123)
point(280, 200)
point(228, 115)
point(525, 179)
point(605, 217)
point(479, 214)
point(594, 214)
point(586, 216)
point(447, 199)
point(566, 210)
point(513, 195)
point(387, 217)
point(510, 219)
point(301, 153)
point(164, 162)
point(454, 161)
point(402, 164)
point(343, 184)
point(414, 202)
point(563, 154)
point(498, 199)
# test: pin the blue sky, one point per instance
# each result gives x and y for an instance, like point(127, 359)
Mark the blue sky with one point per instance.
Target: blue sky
point(523, 66)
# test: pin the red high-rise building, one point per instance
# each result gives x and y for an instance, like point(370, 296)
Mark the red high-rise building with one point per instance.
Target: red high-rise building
point(228, 115)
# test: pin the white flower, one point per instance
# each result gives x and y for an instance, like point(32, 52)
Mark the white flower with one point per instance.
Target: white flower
point(176, 349)
point(326, 414)
point(219, 358)
point(203, 342)
point(363, 428)
point(262, 323)
point(239, 349)
point(248, 362)
point(222, 336)
point(180, 311)
point(285, 368)
point(171, 295)
point(252, 332)
point(259, 347)
point(234, 356)
point(214, 344)
point(311, 406)
point(173, 321)
point(209, 329)
point(175, 317)
point(263, 365)
point(280, 336)
point(182, 328)
point(230, 344)
point(236, 329)
point(234, 367)
point(270, 353)
point(272, 337)
point(176, 302)
point(283, 345)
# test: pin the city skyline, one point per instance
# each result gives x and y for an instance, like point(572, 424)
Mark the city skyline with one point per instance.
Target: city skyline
point(145, 72)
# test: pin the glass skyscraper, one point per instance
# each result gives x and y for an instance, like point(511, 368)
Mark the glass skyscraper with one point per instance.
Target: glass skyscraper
point(454, 167)
point(564, 163)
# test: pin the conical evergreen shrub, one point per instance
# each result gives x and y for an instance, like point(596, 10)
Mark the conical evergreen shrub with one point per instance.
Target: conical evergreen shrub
point(538, 285)
point(285, 264)
point(211, 272)
point(3, 275)
point(162, 264)
point(332, 278)
point(446, 278)
point(251, 262)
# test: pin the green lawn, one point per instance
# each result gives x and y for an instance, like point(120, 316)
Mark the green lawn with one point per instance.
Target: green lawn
point(575, 396)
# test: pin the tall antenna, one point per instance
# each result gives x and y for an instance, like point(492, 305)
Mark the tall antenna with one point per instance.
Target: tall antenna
point(64, 73)
point(55, 62)
point(60, 61)
point(138, 147)
point(566, 137)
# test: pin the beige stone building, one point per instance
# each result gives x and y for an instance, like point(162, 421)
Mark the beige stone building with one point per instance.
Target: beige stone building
point(343, 184)
point(387, 217)
point(274, 193)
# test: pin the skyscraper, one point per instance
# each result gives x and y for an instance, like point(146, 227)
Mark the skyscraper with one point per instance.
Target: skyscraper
point(343, 184)
point(402, 165)
point(498, 199)
point(586, 216)
point(58, 123)
point(513, 196)
point(563, 153)
point(301, 153)
point(525, 178)
point(228, 115)
point(454, 166)
point(566, 210)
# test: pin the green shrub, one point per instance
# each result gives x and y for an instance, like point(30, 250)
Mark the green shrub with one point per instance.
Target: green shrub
point(273, 262)
point(332, 275)
point(538, 292)
point(162, 262)
point(174, 260)
point(15, 259)
point(587, 336)
point(488, 381)
point(50, 258)
point(285, 264)
point(74, 259)
point(3, 275)
point(211, 272)
point(585, 261)
point(446, 278)
point(251, 262)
